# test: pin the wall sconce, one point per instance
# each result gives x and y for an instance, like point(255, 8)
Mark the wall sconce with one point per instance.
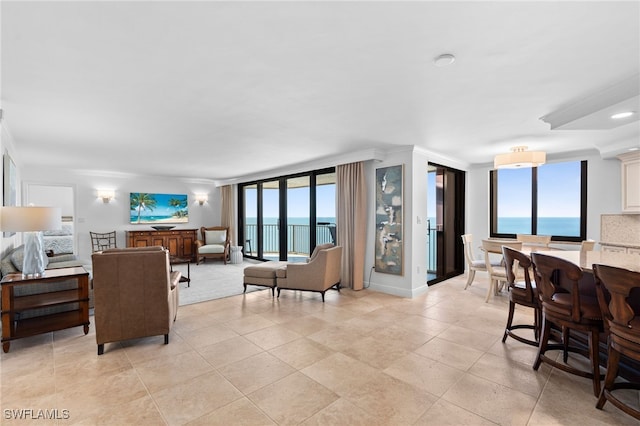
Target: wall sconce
point(106, 194)
point(202, 198)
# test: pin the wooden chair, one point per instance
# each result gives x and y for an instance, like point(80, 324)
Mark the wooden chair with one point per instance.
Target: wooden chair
point(102, 241)
point(522, 293)
point(534, 241)
point(557, 281)
point(213, 245)
point(473, 264)
point(497, 274)
point(613, 286)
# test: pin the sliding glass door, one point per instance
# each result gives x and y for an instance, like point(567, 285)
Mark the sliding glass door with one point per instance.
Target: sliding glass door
point(445, 209)
point(285, 218)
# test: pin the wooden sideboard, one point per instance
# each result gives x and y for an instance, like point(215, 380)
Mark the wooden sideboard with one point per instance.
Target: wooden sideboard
point(179, 242)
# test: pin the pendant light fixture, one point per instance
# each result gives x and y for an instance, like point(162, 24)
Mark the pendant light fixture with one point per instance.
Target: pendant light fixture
point(519, 157)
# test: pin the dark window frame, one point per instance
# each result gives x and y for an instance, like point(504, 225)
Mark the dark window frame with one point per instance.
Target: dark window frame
point(282, 208)
point(493, 206)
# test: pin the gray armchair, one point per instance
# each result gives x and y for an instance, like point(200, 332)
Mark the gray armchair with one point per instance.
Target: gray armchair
point(321, 273)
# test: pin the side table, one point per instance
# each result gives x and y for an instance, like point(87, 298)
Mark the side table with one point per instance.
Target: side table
point(236, 254)
point(173, 260)
point(15, 328)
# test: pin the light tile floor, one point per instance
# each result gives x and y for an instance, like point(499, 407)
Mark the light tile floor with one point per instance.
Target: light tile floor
point(361, 358)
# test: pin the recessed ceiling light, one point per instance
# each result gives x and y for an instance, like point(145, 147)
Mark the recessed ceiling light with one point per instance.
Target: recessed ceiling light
point(633, 149)
point(444, 60)
point(620, 115)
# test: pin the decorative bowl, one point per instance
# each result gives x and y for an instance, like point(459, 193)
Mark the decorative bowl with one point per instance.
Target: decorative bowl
point(162, 227)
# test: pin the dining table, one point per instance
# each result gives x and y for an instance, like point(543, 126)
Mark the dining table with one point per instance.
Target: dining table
point(586, 259)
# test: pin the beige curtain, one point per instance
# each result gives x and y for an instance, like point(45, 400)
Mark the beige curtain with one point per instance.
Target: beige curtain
point(351, 200)
point(227, 218)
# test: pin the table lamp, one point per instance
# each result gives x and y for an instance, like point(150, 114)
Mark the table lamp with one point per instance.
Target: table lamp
point(32, 221)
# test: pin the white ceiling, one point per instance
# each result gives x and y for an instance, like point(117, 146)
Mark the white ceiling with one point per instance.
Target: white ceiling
point(226, 89)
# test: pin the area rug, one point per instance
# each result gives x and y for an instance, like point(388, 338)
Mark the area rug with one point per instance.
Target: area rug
point(213, 280)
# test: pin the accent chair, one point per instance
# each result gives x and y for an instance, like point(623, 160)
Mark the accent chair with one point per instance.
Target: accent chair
point(319, 274)
point(213, 245)
point(135, 294)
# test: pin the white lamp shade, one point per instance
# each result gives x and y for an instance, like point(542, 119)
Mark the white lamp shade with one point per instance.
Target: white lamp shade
point(28, 219)
point(519, 158)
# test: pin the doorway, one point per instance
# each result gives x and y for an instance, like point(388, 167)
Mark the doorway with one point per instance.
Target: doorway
point(60, 241)
point(445, 223)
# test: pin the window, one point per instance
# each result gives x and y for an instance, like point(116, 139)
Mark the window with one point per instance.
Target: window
point(284, 218)
point(546, 200)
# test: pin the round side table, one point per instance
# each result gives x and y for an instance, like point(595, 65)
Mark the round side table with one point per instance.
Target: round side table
point(236, 254)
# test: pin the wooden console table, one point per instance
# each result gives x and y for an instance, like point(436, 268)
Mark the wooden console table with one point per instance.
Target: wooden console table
point(15, 328)
point(179, 242)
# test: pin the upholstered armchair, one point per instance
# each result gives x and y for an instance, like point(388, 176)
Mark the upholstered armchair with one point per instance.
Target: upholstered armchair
point(214, 244)
point(135, 294)
point(319, 274)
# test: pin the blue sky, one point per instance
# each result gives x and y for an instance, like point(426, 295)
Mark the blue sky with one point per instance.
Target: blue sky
point(558, 191)
point(297, 203)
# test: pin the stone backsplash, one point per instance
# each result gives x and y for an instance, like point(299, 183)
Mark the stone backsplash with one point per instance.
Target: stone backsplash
point(620, 228)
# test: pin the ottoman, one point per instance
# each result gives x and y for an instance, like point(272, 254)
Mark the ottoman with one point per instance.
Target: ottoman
point(263, 274)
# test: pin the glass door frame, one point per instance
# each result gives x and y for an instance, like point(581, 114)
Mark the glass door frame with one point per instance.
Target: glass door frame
point(282, 218)
point(450, 207)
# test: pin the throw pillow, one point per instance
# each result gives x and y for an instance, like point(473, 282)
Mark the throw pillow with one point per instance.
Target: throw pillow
point(215, 237)
point(6, 266)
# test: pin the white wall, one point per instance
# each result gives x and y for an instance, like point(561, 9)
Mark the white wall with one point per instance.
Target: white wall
point(7, 147)
point(388, 283)
point(91, 214)
point(603, 195)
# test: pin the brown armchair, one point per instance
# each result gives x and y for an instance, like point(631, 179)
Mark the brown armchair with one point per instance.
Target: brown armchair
point(322, 272)
point(213, 245)
point(135, 294)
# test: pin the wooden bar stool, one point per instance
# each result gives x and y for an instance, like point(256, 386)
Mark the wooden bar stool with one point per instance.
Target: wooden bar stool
point(623, 322)
point(562, 304)
point(522, 293)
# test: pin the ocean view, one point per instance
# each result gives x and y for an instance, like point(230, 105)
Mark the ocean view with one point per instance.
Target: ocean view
point(290, 221)
point(565, 226)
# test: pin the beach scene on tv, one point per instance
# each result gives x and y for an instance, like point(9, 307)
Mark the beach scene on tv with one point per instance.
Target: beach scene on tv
point(158, 208)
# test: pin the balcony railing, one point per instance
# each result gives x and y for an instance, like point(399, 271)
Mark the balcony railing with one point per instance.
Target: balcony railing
point(297, 240)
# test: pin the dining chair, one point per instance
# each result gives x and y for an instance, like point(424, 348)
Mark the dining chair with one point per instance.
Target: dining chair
point(534, 241)
point(587, 245)
point(102, 240)
point(564, 306)
point(521, 292)
point(473, 264)
point(495, 264)
point(622, 320)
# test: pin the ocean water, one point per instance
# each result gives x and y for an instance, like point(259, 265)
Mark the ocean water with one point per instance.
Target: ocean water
point(564, 226)
point(561, 226)
point(290, 221)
